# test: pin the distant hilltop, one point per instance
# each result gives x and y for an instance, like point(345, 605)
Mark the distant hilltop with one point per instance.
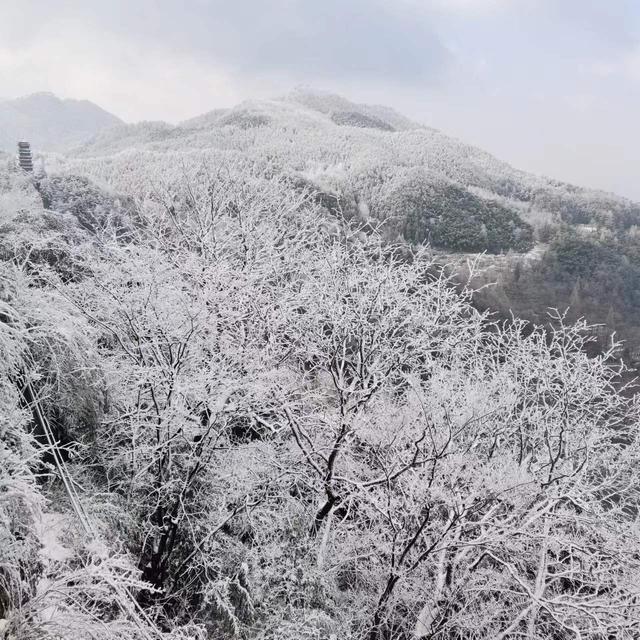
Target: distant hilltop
point(51, 123)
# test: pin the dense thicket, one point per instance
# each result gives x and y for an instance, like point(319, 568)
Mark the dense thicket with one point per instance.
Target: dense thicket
point(447, 216)
point(277, 425)
point(594, 272)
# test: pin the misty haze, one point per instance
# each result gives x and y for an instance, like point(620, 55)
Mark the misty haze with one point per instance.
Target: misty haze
point(320, 321)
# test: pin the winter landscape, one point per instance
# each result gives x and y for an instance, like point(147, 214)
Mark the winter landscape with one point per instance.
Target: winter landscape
point(303, 367)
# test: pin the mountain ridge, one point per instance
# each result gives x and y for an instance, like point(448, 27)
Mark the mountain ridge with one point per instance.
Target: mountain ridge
point(303, 127)
point(49, 122)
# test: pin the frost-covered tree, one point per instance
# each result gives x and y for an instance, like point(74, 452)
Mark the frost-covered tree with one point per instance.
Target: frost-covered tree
point(284, 427)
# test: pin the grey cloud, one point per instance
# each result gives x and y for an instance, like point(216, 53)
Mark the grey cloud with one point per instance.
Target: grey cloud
point(305, 40)
point(359, 39)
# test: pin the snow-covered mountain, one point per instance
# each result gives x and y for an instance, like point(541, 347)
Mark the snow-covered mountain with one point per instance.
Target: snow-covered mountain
point(360, 151)
point(376, 167)
point(51, 123)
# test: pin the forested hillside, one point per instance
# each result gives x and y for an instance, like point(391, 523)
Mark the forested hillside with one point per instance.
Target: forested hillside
point(376, 167)
point(245, 394)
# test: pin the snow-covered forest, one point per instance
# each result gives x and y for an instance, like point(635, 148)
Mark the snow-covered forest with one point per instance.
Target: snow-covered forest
point(246, 392)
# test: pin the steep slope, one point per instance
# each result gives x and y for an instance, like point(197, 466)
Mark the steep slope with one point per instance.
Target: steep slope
point(49, 122)
point(377, 168)
point(368, 156)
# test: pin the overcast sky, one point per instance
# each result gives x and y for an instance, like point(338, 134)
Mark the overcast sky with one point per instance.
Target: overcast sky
point(552, 86)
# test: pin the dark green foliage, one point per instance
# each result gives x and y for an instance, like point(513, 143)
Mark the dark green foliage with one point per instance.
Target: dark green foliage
point(595, 276)
point(609, 269)
point(573, 206)
point(453, 218)
point(546, 232)
point(567, 209)
point(510, 188)
point(626, 217)
point(578, 256)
